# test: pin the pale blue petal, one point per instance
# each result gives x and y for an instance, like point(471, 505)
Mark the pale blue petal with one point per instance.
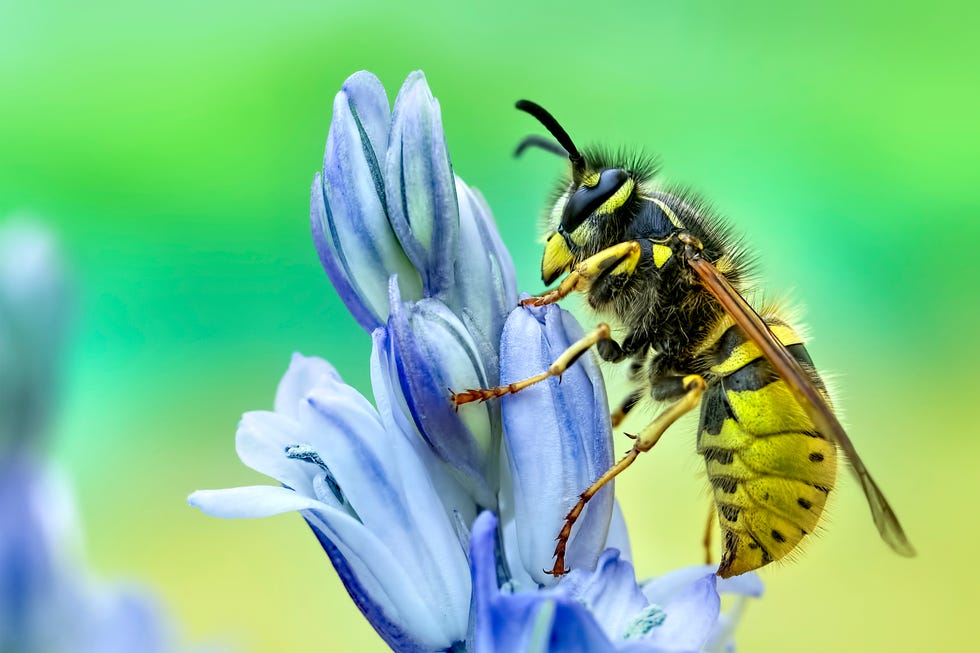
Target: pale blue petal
point(389, 488)
point(610, 592)
point(261, 442)
point(433, 352)
point(558, 441)
point(544, 622)
point(691, 614)
point(387, 583)
point(458, 503)
point(744, 585)
point(348, 212)
point(250, 501)
point(421, 193)
point(485, 291)
point(618, 537)
point(304, 373)
point(662, 589)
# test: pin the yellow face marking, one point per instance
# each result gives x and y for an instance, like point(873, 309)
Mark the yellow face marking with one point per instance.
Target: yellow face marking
point(748, 351)
point(557, 258)
point(591, 180)
point(660, 254)
point(618, 198)
point(669, 213)
point(582, 234)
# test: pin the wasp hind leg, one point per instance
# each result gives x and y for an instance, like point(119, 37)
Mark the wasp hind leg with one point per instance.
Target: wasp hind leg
point(561, 364)
point(694, 386)
point(708, 530)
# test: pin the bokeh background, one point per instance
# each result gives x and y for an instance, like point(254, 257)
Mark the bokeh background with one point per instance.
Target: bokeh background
point(171, 145)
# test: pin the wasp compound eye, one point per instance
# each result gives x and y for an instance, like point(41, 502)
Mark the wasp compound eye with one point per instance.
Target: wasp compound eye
point(587, 199)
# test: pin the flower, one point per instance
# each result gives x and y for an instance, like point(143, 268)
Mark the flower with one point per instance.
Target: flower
point(34, 301)
point(364, 488)
point(392, 490)
point(601, 609)
point(49, 603)
point(410, 246)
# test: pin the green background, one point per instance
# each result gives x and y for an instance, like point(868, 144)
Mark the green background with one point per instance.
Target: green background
point(172, 145)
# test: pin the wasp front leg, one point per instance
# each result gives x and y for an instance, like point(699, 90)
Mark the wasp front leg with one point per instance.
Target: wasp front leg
point(620, 259)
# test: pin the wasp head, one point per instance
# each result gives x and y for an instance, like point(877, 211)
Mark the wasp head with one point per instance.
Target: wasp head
point(592, 209)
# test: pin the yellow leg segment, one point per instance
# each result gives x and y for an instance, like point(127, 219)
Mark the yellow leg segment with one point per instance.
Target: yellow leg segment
point(562, 363)
point(694, 387)
point(618, 259)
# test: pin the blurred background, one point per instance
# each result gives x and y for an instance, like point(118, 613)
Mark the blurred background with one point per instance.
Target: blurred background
point(172, 145)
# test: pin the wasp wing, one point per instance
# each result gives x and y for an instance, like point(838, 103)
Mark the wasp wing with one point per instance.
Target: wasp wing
point(806, 394)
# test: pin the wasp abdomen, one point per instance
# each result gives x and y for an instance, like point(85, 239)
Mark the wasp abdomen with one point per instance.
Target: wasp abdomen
point(770, 471)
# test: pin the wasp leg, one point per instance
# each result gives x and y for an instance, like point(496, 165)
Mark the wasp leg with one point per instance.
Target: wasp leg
point(694, 386)
point(708, 530)
point(562, 363)
point(626, 406)
point(618, 259)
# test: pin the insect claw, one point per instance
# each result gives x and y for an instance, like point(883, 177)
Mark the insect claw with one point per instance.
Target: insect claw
point(630, 436)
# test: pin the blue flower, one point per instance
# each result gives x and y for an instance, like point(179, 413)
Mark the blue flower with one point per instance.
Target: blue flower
point(48, 601)
point(600, 609)
point(392, 490)
point(34, 307)
point(393, 525)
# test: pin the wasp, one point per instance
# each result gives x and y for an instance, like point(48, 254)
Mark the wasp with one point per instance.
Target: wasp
point(663, 268)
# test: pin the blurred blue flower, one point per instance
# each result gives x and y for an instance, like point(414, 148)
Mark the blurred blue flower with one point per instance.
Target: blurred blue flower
point(34, 309)
point(48, 601)
point(392, 490)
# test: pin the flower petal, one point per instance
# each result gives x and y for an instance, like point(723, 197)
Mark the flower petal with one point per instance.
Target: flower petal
point(304, 374)
point(421, 192)
point(558, 440)
point(348, 212)
point(250, 501)
point(610, 592)
point(459, 504)
point(389, 489)
point(692, 610)
point(539, 621)
point(618, 537)
point(485, 291)
point(433, 352)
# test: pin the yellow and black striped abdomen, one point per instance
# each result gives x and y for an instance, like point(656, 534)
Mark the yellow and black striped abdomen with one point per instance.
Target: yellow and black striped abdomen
point(770, 471)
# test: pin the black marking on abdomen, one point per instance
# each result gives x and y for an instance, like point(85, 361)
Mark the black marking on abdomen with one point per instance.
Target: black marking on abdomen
point(816, 457)
point(806, 505)
point(714, 410)
point(776, 535)
point(722, 456)
point(729, 511)
point(727, 484)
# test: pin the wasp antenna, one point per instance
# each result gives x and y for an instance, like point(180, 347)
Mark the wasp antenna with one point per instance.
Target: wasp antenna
point(541, 142)
point(552, 126)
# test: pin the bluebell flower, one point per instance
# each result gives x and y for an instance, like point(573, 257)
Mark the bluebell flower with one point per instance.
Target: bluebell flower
point(49, 603)
point(393, 526)
point(34, 308)
point(392, 490)
point(410, 247)
point(599, 609)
